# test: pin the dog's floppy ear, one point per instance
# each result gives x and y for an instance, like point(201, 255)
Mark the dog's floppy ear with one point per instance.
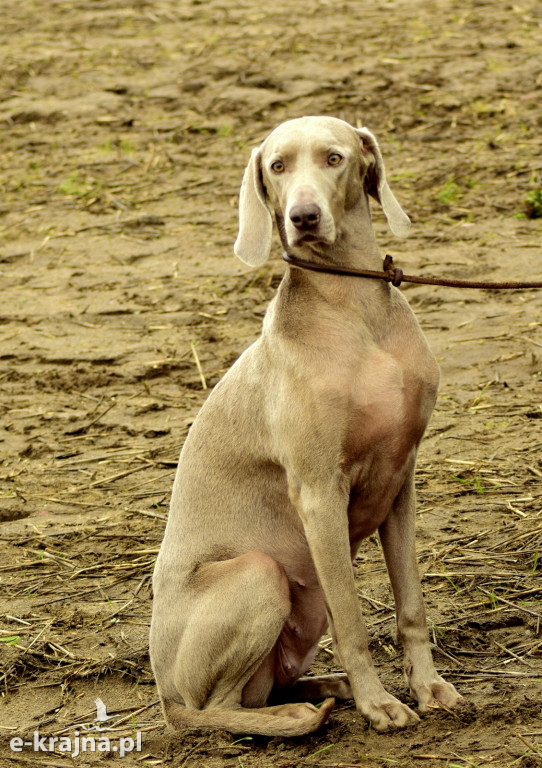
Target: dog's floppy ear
point(253, 242)
point(377, 186)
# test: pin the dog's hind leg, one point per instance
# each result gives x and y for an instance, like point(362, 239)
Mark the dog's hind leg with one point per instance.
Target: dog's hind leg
point(237, 609)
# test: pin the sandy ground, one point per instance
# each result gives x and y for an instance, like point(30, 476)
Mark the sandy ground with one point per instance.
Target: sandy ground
point(125, 128)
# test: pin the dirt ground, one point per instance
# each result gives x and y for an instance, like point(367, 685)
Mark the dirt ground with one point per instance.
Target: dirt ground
point(125, 128)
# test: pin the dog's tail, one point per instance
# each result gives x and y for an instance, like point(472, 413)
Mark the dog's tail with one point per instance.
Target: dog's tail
point(282, 720)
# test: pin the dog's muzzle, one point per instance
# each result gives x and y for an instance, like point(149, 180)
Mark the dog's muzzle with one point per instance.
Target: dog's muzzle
point(305, 217)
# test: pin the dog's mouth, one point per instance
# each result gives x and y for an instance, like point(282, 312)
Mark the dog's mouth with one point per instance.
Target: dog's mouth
point(320, 234)
point(311, 239)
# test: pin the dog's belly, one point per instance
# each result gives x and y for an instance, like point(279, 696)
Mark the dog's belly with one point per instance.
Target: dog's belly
point(297, 644)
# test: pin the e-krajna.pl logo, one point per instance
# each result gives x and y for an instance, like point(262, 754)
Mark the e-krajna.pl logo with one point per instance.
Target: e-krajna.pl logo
point(93, 740)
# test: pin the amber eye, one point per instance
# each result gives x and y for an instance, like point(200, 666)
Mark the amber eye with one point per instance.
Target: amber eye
point(334, 158)
point(277, 166)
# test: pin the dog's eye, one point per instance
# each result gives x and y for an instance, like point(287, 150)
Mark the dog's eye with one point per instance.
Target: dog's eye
point(277, 166)
point(334, 158)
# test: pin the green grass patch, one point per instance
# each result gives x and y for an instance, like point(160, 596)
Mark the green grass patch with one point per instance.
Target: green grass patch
point(533, 204)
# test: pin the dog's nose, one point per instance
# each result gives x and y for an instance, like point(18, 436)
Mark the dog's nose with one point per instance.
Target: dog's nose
point(305, 216)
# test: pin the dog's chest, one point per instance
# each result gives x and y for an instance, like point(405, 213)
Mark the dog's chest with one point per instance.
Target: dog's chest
point(390, 404)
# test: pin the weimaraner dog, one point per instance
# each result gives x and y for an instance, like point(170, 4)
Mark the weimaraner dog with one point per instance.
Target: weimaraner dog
point(304, 448)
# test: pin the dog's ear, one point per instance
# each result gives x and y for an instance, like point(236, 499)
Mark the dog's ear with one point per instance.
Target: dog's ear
point(377, 186)
point(253, 242)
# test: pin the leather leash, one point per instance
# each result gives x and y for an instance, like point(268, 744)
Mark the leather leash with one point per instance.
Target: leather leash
point(394, 275)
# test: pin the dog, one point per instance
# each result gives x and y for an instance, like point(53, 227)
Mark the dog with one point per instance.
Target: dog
point(306, 447)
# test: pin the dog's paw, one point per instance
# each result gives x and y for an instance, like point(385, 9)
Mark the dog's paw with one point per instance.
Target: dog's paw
point(388, 713)
point(435, 694)
point(312, 717)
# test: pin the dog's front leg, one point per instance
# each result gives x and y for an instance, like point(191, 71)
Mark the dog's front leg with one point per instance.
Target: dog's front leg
point(397, 535)
point(325, 521)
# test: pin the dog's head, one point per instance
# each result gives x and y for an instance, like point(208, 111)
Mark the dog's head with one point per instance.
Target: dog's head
point(309, 172)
